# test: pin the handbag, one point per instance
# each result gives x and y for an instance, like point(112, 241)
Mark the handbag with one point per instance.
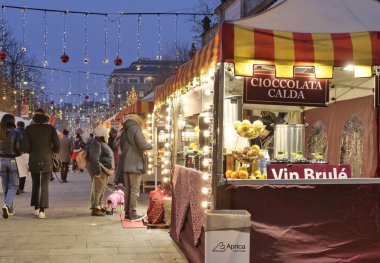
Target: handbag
point(56, 162)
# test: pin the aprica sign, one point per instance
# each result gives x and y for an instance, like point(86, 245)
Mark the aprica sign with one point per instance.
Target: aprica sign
point(221, 247)
point(302, 90)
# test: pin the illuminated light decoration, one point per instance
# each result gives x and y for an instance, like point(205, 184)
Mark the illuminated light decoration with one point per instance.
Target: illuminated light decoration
point(166, 179)
point(206, 190)
point(45, 62)
point(206, 162)
point(206, 134)
point(64, 58)
point(206, 176)
point(23, 47)
point(349, 68)
point(85, 60)
point(138, 39)
point(205, 204)
point(105, 59)
point(206, 149)
point(118, 61)
point(208, 92)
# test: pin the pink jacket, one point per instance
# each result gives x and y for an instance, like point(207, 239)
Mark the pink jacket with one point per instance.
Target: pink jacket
point(116, 198)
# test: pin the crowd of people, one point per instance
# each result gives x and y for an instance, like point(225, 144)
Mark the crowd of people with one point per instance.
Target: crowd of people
point(30, 150)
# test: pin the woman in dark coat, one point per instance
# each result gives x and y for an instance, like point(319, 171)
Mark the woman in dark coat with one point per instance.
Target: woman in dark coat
point(41, 140)
point(10, 148)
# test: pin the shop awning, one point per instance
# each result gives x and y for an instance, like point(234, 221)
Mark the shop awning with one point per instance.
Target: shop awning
point(245, 44)
point(138, 107)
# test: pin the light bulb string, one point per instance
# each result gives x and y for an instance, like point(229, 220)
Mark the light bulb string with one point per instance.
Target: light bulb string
point(105, 36)
point(85, 37)
point(23, 26)
point(64, 32)
point(138, 36)
point(119, 33)
point(176, 40)
point(159, 37)
point(45, 37)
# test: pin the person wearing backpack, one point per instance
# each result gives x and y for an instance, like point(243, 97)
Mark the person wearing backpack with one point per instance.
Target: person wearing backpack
point(65, 154)
point(132, 145)
point(10, 148)
point(100, 166)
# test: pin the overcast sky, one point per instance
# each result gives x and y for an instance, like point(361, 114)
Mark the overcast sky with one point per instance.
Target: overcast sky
point(58, 83)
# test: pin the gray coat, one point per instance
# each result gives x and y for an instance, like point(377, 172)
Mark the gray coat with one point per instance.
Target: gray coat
point(133, 145)
point(66, 149)
point(40, 141)
point(99, 153)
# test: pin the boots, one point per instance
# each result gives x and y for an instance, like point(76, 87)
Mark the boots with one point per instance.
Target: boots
point(97, 212)
point(133, 216)
point(127, 198)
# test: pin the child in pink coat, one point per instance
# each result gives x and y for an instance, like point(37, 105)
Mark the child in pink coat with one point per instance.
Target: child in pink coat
point(114, 199)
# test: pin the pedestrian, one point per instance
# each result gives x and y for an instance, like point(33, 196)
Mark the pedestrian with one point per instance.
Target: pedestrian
point(90, 139)
point(78, 145)
point(10, 147)
point(65, 153)
point(100, 167)
point(132, 145)
point(22, 162)
point(40, 141)
point(112, 144)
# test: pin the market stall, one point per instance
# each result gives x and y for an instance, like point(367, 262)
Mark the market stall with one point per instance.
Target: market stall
point(248, 97)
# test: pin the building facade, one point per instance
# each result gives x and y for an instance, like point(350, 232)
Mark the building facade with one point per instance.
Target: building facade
point(141, 75)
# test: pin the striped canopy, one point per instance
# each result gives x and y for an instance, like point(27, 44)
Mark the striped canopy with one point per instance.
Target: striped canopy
point(246, 47)
point(138, 107)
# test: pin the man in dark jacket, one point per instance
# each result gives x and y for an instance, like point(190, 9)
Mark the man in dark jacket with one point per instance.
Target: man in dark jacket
point(41, 140)
point(133, 145)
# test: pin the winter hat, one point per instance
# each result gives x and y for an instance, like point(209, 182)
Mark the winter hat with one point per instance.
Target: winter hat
point(101, 131)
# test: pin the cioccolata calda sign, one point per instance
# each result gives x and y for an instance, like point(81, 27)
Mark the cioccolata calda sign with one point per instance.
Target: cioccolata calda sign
point(302, 90)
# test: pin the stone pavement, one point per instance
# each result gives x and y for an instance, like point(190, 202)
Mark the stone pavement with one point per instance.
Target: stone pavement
point(71, 234)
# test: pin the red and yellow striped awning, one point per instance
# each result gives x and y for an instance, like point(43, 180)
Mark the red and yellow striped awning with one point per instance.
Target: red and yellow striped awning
point(138, 107)
point(246, 47)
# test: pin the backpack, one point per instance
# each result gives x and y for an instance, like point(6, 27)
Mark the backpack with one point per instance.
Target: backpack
point(82, 159)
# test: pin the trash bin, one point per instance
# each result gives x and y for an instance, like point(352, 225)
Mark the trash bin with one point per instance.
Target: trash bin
point(227, 236)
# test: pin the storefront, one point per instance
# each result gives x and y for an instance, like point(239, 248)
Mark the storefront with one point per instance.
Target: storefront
point(257, 95)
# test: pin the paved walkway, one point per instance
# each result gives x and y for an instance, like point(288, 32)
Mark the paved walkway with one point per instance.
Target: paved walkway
point(71, 234)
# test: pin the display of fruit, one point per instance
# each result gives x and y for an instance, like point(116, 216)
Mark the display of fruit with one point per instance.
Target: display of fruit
point(249, 130)
point(249, 154)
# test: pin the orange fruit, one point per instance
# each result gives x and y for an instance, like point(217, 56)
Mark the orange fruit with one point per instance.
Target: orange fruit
point(234, 175)
point(228, 173)
point(243, 174)
point(243, 168)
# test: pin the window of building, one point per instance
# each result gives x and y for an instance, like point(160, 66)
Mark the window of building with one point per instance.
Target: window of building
point(133, 80)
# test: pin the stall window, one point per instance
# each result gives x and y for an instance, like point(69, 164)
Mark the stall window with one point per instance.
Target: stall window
point(351, 145)
point(317, 142)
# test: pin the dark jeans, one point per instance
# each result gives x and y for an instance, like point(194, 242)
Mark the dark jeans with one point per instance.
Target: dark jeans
point(22, 183)
point(64, 170)
point(40, 190)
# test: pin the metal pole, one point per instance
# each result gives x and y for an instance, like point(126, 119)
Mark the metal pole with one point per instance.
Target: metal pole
point(217, 149)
